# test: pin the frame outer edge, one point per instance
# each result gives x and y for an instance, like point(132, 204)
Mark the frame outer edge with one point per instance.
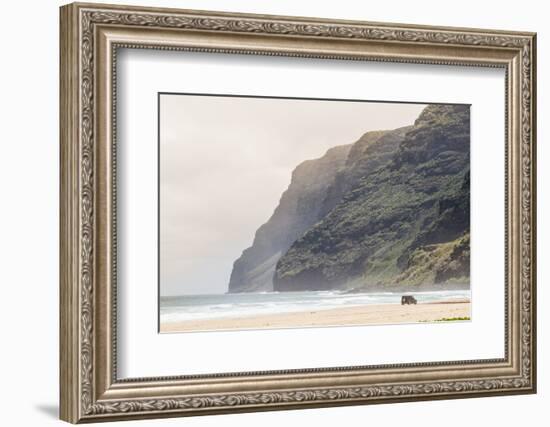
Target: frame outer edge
point(297, 19)
point(68, 227)
point(534, 269)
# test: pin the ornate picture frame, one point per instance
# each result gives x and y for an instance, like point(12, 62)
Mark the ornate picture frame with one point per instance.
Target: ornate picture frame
point(90, 37)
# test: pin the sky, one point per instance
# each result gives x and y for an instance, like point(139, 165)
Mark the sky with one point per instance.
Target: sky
point(224, 164)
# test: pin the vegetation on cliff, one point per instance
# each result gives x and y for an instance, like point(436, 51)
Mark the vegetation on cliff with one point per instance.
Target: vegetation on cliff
point(391, 210)
point(372, 237)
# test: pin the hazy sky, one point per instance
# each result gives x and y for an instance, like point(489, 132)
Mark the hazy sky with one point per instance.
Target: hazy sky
point(224, 163)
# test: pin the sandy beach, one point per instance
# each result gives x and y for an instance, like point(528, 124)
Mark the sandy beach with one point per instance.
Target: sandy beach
point(359, 315)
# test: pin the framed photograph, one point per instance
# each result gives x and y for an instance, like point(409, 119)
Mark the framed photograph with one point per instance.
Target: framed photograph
point(265, 212)
point(376, 231)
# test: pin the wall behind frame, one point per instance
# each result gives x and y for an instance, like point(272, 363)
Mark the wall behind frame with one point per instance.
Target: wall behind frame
point(29, 175)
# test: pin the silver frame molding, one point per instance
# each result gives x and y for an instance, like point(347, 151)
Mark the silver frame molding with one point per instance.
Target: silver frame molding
point(90, 37)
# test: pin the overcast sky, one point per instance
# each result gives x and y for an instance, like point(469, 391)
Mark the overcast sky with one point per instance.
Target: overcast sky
point(224, 163)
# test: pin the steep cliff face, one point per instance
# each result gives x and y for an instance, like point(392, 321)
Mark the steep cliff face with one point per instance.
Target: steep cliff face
point(301, 205)
point(371, 151)
point(394, 211)
point(316, 187)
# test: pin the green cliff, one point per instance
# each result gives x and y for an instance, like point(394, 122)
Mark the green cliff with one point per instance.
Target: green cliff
point(398, 219)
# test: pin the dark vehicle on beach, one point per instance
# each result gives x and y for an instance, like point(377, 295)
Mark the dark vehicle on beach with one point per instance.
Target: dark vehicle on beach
point(408, 299)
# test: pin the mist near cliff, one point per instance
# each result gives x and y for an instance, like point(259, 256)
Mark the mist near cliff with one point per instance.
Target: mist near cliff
point(224, 164)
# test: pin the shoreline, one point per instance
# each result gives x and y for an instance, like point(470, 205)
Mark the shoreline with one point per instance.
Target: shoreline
point(375, 314)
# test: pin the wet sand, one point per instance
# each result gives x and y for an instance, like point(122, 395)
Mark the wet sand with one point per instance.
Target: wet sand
point(361, 315)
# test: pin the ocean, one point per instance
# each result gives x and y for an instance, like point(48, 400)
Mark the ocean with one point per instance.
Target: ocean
point(200, 307)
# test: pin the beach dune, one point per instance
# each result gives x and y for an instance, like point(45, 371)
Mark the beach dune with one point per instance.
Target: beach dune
point(346, 316)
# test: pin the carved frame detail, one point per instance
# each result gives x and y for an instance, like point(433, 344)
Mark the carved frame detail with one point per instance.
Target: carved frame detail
point(80, 400)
